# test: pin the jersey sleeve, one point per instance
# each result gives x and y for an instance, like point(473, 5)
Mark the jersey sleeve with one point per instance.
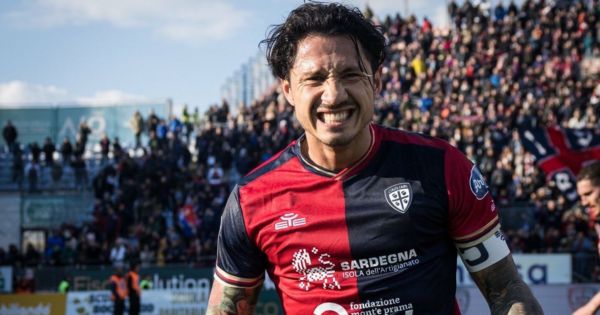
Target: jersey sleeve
point(474, 222)
point(239, 262)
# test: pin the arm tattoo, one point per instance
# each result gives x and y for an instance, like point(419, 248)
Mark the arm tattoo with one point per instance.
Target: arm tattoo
point(505, 291)
point(225, 300)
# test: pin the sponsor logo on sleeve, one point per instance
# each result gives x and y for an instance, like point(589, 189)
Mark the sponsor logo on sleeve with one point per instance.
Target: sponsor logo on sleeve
point(399, 196)
point(478, 186)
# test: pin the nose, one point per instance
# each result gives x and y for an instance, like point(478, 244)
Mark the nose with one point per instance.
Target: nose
point(584, 201)
point(334, 92)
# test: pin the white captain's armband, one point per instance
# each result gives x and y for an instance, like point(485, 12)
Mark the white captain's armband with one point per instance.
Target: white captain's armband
point(484, 252)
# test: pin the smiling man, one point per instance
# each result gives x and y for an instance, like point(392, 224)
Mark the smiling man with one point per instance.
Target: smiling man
point(588, 189)
point(354, 218)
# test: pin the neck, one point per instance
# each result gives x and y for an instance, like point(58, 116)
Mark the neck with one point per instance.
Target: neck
point(336, 158)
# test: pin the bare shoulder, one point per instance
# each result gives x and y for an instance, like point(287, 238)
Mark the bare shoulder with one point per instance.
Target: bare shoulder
point(225, 300)
point(504, 290)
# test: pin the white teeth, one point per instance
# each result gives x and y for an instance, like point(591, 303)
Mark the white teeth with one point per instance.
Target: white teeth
point(335, 117)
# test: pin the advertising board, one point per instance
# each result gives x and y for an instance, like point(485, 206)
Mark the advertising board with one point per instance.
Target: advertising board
point(6, 276)
point(32, 304)
point(533, 268)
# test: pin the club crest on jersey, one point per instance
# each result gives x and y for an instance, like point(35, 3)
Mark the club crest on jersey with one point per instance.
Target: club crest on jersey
point(399, 196)
point(478, 186)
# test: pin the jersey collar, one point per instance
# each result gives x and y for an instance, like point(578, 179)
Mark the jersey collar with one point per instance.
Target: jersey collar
point(346, 172)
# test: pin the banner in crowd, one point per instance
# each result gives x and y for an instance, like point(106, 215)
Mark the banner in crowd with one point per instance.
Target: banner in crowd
point(153, 302)
point(35, 124)
point(32, 304)
point(561, 153)
point(533, 268)
point(51, 211)
point(6, 276)
point(156, 302)
point(554, 299)
point(94, 279)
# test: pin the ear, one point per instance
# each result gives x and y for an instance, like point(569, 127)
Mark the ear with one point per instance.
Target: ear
point(286, 87)
point(377, 84)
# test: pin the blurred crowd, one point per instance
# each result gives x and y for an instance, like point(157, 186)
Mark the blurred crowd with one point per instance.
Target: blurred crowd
point(494, 70)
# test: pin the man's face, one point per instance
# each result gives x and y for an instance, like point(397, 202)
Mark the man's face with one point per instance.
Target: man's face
point(332, 95)
point(589, 194)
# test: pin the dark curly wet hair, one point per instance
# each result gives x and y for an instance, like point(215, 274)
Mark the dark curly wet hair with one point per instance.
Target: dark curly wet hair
point(321, 18)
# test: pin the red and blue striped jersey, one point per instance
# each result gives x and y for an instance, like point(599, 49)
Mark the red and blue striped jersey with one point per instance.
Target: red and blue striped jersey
point(379, 237)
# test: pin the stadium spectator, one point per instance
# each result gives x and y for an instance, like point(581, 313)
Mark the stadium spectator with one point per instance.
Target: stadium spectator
point(56, 173)
point(147, 256)
point(137, 125)
point(104, 148)
point(18, 166)
point(79, 167)
point(10, 134)
point(117, 149)
point(66, 151)
point(14, 257)
point(35, 151)
point(33, 174)
point(84, 133)
point(49, 148)
point(118, 253)
point(32, 257)
point(79, 148)
point(152, 121)
point(188, 123)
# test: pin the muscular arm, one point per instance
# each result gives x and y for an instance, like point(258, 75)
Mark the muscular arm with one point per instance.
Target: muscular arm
point(504, 290)
point(227, 300)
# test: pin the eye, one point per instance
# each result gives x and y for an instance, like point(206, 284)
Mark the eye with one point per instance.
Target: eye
point(315, 79)
point(352, 77)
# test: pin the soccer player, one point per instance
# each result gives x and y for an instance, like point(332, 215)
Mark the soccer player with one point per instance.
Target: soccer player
point(588, 189)
point(352, 217)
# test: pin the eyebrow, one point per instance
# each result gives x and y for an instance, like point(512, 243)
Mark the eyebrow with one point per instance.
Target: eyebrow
point(344, 70)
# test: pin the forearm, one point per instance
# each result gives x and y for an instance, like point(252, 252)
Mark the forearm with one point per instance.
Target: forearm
point(227, 300)
point(514, 299)
point(505, 291)
point(595, 301)
point(590, 307)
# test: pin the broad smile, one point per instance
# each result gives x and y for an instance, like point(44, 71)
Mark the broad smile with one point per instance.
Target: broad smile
point(334, 117)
